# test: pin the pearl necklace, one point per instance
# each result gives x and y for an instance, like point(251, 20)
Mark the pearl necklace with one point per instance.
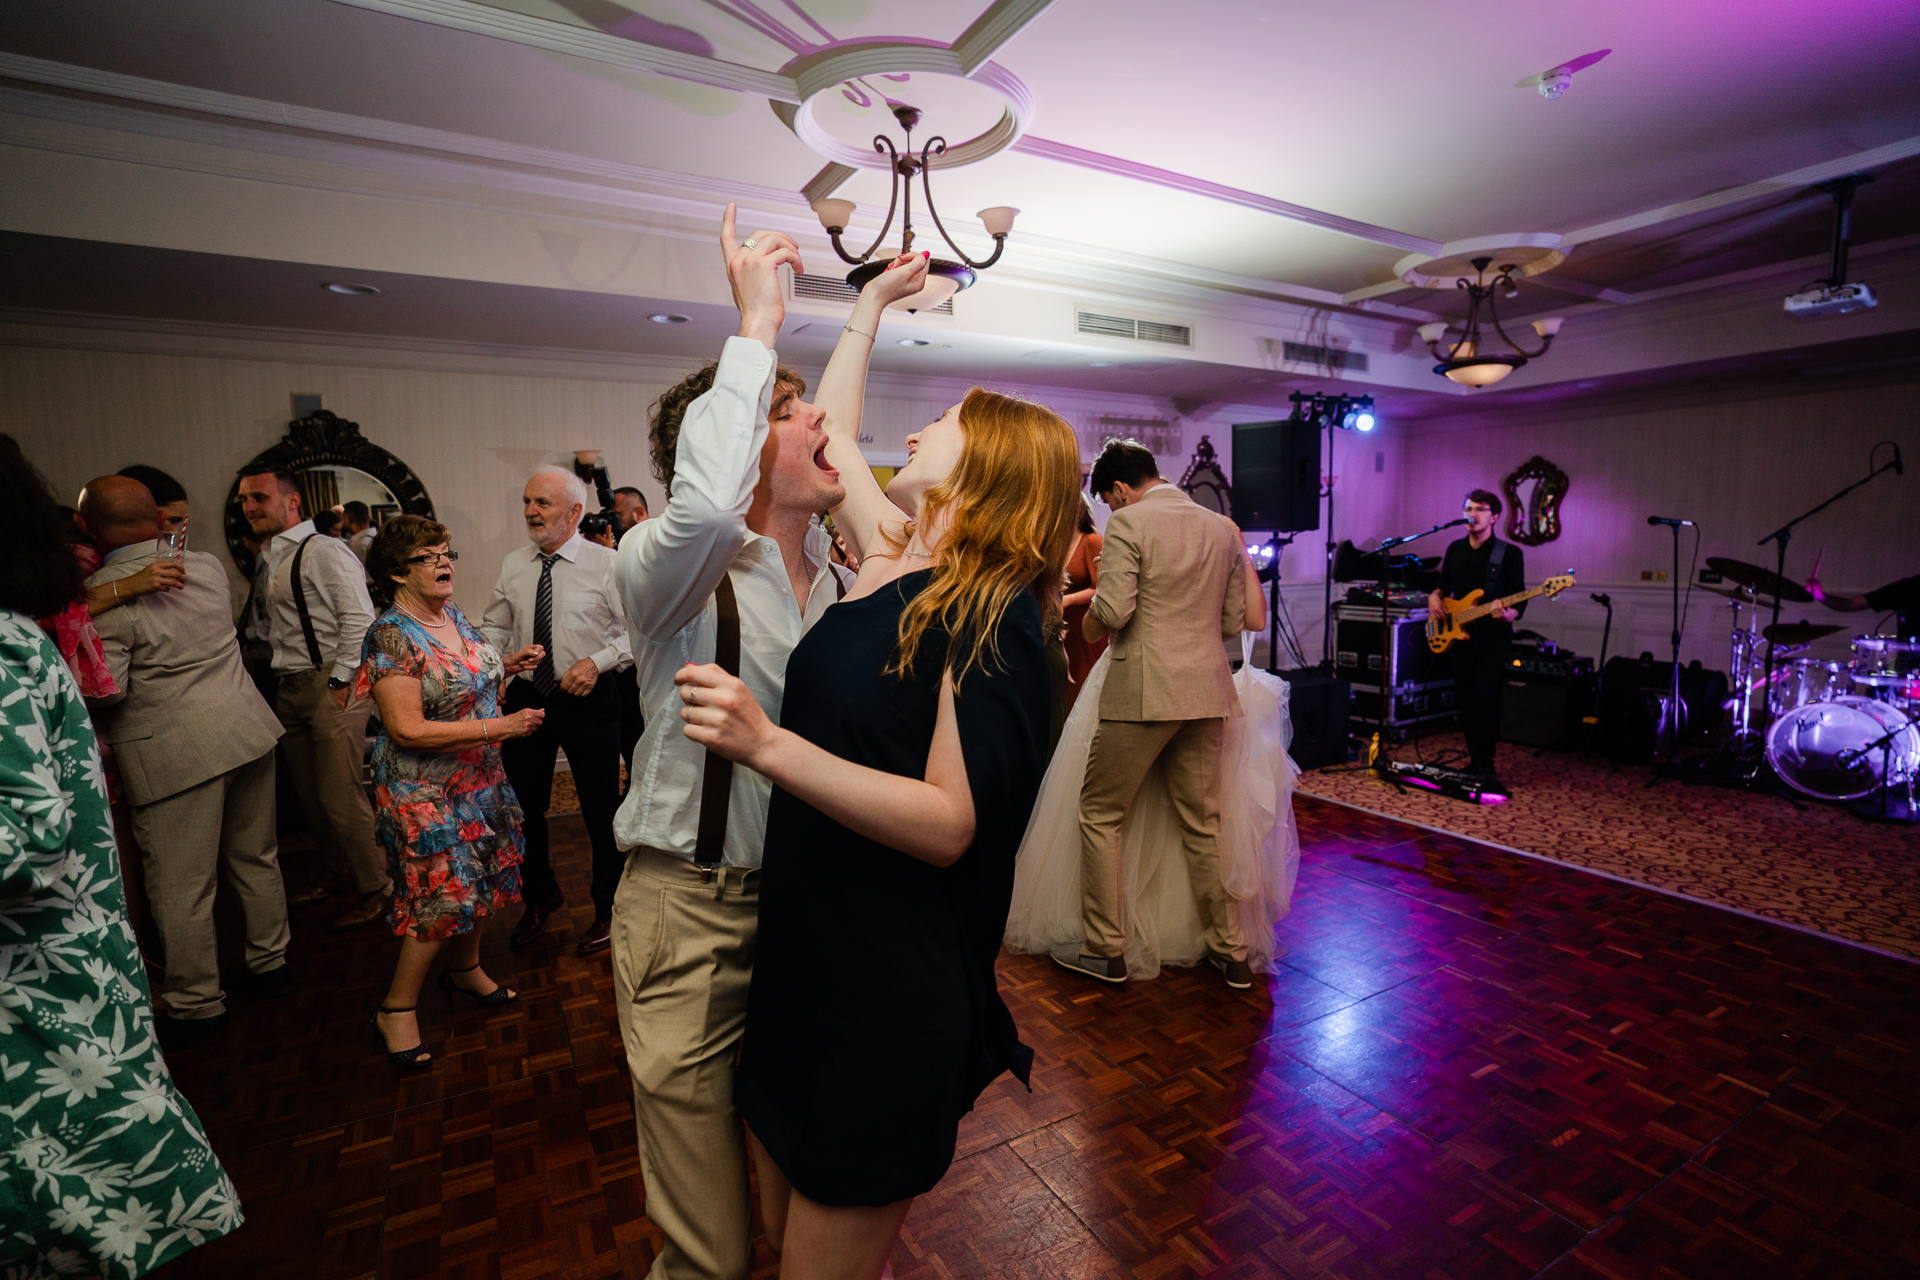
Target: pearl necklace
point(417, 618)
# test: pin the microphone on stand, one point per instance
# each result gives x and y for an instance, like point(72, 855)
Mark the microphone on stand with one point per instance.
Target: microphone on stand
point(1449, 524)
point(1657, 520)
point(1601, 597)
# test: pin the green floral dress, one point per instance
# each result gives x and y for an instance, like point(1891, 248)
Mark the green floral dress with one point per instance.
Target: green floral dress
point(104, 1169)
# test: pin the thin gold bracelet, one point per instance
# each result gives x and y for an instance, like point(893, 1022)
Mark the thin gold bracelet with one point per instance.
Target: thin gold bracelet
point(847, 328)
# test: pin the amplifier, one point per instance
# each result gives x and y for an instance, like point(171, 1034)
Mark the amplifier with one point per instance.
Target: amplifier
point(1559, 666)
point(1317, 706)
point(1634, 718)
point(1538, 710)
point(1356, 647)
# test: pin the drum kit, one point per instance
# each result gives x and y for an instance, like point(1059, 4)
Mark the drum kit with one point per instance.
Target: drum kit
point(1843, 731)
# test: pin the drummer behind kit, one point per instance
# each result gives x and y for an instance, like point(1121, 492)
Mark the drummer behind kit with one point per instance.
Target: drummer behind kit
point(1840, 730)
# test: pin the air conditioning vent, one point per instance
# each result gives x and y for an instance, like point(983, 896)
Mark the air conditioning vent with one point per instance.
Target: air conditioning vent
point(1325, 357)
point(1101, 325)
point(1174, 335)
point(835, 289)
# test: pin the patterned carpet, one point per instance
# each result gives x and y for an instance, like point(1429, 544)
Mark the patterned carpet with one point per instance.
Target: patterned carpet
point(1816, 867)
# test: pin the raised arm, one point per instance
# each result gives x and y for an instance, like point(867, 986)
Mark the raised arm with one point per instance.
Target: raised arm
point(842, 393)
point(667, 567)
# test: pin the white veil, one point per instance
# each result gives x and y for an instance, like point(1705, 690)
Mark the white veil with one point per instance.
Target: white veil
point(1259, 844)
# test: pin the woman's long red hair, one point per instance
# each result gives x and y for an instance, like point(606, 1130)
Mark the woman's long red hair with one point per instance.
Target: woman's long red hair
point(1013, 502)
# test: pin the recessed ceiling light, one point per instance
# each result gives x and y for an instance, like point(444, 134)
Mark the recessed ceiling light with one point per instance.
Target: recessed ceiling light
point(911, 342)
point(1101, 364)
point(667, 317)
point(351, 290)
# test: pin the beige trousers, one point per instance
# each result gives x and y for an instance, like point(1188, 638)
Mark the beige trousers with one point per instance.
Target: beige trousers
point(682, 960)
point(326, 748)
point(1123, 753)
point(185, 839)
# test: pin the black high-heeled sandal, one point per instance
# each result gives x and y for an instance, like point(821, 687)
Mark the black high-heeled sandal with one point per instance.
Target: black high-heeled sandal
point(492, 1000)
point(414, 1059)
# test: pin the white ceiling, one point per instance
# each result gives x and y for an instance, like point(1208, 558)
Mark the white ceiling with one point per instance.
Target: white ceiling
point(1396, 113)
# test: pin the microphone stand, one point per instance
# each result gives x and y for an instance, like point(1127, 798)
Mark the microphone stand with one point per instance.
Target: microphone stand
point(1780, 537)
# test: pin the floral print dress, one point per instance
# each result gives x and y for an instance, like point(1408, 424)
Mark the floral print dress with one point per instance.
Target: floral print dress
point(448, 819)
point(104, 1169)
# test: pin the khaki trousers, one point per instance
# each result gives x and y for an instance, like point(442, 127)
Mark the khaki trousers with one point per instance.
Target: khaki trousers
point(185, 839)
point(326, 748)
point(1123, 752)
point(682, 961)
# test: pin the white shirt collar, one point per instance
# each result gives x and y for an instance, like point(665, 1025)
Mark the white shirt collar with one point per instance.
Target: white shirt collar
point(295, 534)
point(569, 550)
point(136, 548)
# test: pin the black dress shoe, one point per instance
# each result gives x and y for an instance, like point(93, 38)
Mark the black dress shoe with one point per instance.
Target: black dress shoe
point(599, 936)
point(265, 985)
point(534, 922)
point(183, 1033)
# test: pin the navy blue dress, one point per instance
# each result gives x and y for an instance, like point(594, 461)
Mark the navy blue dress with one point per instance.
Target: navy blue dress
point(873, 1022)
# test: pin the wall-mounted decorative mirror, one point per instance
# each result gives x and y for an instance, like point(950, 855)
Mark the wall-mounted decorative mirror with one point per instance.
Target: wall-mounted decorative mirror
point(335, 464)
point(1206, 483)
point(1534, 491)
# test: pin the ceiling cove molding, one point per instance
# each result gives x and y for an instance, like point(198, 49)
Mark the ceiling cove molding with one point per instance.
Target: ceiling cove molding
point(1813, 173)
point(464, 162)
point(993, 29)
point(1065, 154)
point(582, 42)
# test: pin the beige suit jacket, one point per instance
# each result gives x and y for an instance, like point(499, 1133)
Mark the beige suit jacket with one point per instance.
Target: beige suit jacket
point(1169, 590)
point(187, 711)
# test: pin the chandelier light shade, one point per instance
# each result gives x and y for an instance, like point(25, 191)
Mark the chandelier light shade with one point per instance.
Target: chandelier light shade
point(944, 277)
point(1468, 362)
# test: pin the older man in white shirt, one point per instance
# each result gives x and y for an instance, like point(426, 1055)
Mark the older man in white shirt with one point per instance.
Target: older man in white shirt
point(318, 613)
point(559, 594)
point(733, 550)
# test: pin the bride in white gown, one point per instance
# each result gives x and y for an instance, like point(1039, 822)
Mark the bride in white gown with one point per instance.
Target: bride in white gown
point(1259, 844)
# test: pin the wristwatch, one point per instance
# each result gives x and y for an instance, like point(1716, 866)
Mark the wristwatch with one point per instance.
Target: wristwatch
point(336, 683)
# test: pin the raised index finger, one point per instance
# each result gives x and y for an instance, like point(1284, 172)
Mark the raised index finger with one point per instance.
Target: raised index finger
point(728, 245)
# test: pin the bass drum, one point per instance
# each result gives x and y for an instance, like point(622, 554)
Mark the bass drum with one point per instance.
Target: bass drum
point(1823, 748)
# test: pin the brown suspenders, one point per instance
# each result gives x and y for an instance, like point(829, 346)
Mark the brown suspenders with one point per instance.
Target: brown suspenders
point(716, 787)
point(716, 784)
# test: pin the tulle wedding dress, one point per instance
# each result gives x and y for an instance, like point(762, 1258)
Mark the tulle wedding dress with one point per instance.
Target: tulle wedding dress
point(1259, 844)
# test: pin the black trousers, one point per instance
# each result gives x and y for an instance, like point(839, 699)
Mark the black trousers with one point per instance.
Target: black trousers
point(632, 725)
point(1479, 678)
point(588, 729)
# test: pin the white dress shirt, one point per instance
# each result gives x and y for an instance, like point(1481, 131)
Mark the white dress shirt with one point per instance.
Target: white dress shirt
point(669, 567)
point(337, 601)
point(361, 541)
point(587, 618)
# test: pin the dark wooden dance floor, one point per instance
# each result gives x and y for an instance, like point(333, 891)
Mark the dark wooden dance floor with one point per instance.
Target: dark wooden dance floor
point(1471, 1065)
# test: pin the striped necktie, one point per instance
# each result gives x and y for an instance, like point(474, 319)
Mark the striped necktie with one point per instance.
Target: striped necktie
point(543, 678)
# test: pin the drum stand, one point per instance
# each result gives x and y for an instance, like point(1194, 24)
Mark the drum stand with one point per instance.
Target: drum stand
point(1889, 807)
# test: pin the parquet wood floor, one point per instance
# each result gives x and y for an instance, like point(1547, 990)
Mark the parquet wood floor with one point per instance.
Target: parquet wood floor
point(1467, 1065)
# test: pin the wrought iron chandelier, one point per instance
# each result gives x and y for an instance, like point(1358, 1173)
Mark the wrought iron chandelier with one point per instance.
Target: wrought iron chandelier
point(944, 278)
point(1467, 361)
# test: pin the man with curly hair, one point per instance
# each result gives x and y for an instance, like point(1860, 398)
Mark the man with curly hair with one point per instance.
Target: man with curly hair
point(734, 552)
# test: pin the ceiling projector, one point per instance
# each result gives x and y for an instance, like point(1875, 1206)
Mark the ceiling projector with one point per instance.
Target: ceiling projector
point(1832, 300)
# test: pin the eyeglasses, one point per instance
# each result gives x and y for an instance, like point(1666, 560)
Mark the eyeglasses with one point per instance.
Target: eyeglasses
point(1476, 508)
point(434, 557)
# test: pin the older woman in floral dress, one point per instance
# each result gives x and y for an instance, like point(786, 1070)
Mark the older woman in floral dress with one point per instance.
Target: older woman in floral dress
point(443, 808)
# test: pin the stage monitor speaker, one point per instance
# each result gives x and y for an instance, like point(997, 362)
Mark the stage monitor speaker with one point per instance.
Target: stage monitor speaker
point(1317, 705)
point(1276, 476)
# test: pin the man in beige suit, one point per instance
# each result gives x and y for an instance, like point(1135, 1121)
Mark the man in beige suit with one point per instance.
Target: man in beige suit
point(1169, 590)
point(194, 741)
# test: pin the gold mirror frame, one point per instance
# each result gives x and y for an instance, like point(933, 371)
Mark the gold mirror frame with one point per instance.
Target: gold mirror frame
point(1538, 522)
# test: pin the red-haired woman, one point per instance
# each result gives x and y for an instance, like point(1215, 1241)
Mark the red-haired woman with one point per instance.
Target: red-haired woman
point(912, 741)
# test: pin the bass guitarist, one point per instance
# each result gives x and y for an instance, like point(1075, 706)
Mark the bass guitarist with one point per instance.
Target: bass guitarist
point(1481, 561)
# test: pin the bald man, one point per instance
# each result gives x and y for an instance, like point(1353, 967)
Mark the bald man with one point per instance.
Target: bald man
point(194, 741)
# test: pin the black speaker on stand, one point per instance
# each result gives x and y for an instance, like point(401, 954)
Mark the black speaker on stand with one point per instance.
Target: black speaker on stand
point(1276, 475)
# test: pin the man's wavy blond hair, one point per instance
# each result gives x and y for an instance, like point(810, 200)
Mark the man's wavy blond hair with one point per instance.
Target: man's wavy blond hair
point(1014, 499)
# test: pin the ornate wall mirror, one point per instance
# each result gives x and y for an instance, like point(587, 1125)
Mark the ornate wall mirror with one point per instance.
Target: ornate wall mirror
point(335, 464)
point(1533, 493)
point(1206, 483)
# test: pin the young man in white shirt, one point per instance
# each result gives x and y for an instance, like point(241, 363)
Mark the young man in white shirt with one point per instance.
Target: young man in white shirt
point(559, 593)
point(358, 517)
point(318, 613)
point(743, 459)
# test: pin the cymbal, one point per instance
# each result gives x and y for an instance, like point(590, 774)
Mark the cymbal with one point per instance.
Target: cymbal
point(1745, 595)
point(1765, 581)
point(1797, 632)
